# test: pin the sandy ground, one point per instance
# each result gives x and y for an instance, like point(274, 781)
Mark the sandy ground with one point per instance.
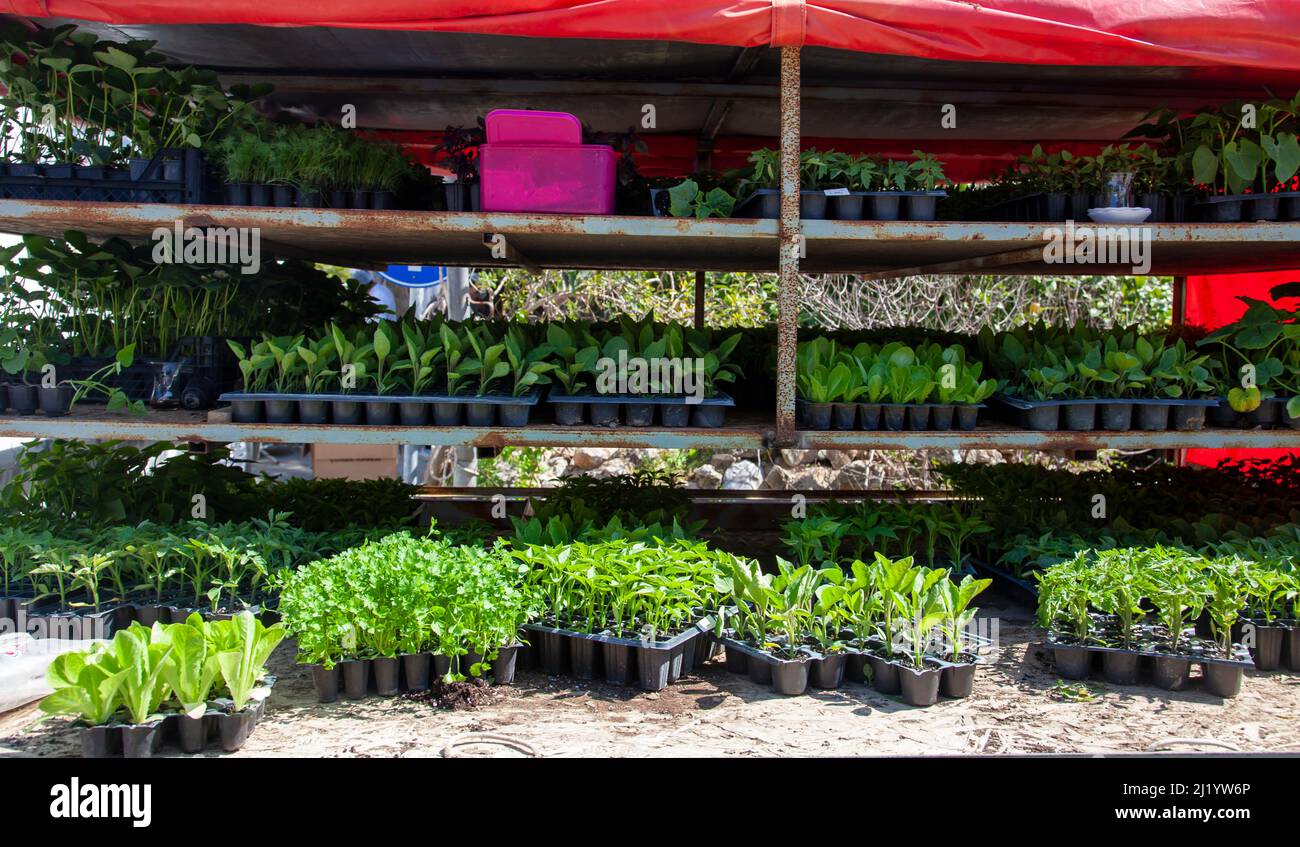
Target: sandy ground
point(1016, 708)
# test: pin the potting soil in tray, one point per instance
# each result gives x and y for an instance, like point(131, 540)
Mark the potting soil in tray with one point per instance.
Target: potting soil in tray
point(672, 410)
point(650, 664)
point(381, 409)
point(1094, 414)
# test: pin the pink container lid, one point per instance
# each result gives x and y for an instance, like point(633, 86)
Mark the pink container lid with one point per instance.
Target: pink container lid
point(523, 126)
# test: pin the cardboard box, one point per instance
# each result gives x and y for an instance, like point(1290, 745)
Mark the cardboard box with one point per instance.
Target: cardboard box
point(354, 461)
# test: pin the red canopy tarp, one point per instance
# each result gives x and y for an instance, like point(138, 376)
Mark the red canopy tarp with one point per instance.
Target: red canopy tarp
point(1187, 33)
point(1211, 302)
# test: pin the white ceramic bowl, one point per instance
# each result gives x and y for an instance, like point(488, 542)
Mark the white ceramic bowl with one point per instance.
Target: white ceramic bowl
point(1122, 215)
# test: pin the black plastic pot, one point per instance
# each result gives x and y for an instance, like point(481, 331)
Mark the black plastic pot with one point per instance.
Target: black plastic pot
point(356, 678)
point(413, 414)
point(415, 669)
point(941, 417)
point(919, 207)
point(503, 666)
point(1262, 208)
point(23, 399)
point(1225, 212)
point(844, 415)
point(346, 412)
point(246, 411)
point(281, 411)
point(1267, 651)
point(554, 652)
point(708, 417)
point(673, 414)
point(855, 667)
point(1223, 414)
point(1187, 418)
point(1079, 205)
point(515, 414)
point(313, 411)
point(1116, 417)
point(568, 414)
point(441, 665)
point(582, 657)
point(447, 414)
point(148, 615)
point(919, 687)
point(790, 677)
point(308, 198)
point(4, 396)
point(812, 205)
point(326, 682)
point(1121, 668)
point(918, 418)
point(386, 668)
point(55, 401)
point(236, 193)
point(1043, 418)
point(192, 733)
point(884, 675)
point(885, 207)
point(869, 416)
point(338, 199)
point(259, 194)
point(1267, 414)
point(893, 417)
point(1073, 662)
point(760, 670)
point(818, 415)
point(380, 413)
point(638, 414)
point(654, 667)
point(1170, 673)
point(234, 729)
point(827, 672)
point(1153, 417)
point(967, 417)
point(1222, 680)
point(141, 741)
point(100, 742)
point(1081, 417)
point(735, 661)
point(359, 200)
point(480, 414)
point(381, 199)
point(282, 195)
point(604, 414)
point(846, 207)
point(1157, 203)
point(957, 680)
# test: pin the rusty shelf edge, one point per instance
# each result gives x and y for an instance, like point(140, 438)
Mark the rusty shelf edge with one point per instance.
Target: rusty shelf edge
point(1225, 439)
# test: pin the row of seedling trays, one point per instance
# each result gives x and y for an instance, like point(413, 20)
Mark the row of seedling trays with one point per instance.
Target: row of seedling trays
point(649, 664)
point(289, 196)
point(1058, 208)
point(891, 417)
point(380, 409)
point(388, 676)
point(843, 205)
point(46, 618)
point(607, 410)
point(1270, 413)
point(1119, 415)
point(19, 398)
point(865, 664)
point(172, 176)
point(611, 410)
point(218, 726)
point(1230, 208)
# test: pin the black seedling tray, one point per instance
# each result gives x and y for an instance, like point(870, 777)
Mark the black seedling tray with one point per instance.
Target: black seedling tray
point(1231, 208)
point(288, 196)
point(381, 409)
point(228, 730)
point(143, 183)
point(891, 417)
point(1105, 414)
point(639, 409)
point(851, 206)
point(653, 665)
point(1270, 414)
point(1170, 671)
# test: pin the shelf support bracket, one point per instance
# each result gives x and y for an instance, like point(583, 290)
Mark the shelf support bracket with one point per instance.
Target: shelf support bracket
point(790, 242)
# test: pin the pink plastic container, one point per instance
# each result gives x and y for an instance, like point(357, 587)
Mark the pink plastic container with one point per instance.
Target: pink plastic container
point(520, 126)
point(536, 162)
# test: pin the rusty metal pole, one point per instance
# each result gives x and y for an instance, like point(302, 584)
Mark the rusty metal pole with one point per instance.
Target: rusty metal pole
point(699, 299)
point(789, 243)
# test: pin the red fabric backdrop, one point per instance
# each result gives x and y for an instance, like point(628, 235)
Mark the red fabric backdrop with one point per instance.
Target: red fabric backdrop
point(1188, 33)
point(1212, 302)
